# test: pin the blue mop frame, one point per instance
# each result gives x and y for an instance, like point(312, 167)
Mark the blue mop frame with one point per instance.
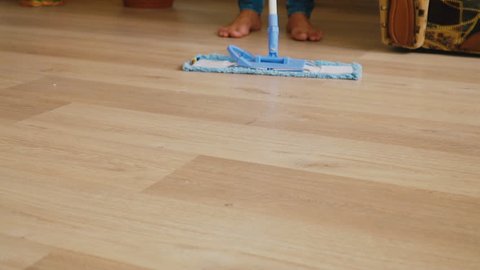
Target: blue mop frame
point(272, 61)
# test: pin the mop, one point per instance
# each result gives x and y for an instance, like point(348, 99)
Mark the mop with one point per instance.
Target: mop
point(240, 61)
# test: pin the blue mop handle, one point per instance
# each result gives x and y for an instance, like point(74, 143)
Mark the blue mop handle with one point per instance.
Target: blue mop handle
point(273, 29)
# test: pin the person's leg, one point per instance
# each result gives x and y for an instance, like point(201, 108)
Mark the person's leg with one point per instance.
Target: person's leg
point(299, 25)
point(247, 21)
point(256, 5)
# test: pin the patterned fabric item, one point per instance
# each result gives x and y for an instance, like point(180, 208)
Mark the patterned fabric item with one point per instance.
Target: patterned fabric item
point(39, 3)
point(448, 25)
point(453, 25)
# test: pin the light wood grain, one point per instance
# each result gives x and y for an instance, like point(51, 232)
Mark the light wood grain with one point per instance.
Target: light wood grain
point(111, 157)
point(434, 135)
point(80, 161)
point(433, 170)
point(72, 260)
point(365, 208)
point(19, 253)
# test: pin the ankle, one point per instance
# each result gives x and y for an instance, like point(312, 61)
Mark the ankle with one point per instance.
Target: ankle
point(250, 12)
point(299, 15)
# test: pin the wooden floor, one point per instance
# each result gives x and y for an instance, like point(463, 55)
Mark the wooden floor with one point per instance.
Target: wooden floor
point(113, 158)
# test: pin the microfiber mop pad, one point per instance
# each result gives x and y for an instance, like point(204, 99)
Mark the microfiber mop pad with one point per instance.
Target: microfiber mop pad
point(218, 63)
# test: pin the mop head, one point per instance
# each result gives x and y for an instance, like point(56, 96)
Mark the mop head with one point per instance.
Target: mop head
point(218, 63)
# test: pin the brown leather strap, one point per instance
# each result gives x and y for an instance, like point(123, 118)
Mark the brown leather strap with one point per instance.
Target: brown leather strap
point(472, 44)
point(401, 26)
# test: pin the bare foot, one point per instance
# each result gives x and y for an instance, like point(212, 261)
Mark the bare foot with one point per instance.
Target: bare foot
point(301, 29)
point(246, 22)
